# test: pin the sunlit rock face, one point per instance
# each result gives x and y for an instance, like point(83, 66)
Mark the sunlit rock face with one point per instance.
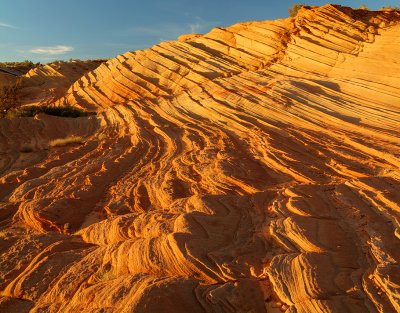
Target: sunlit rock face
point(44, 84)
point(251, 169)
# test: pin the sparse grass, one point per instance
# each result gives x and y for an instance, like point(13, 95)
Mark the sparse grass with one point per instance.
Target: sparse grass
point(60, 142)
point(26, 149)
point(390, 8)
point(63, 111)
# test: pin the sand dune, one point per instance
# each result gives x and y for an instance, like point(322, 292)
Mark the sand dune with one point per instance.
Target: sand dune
point(251, 169)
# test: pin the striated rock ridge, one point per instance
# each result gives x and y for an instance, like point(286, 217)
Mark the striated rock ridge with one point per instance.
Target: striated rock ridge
point(46, 83)
point(251, 169)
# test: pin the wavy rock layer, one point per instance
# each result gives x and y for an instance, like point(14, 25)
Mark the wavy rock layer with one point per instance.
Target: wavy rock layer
point(252, 169)
point(45, 84)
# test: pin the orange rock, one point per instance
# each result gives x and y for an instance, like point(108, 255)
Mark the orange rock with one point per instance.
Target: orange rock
point(251, 169)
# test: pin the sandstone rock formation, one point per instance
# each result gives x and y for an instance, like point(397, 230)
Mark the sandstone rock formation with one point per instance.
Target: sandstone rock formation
point(251, 169)
point(6, 78)
point(46, 83)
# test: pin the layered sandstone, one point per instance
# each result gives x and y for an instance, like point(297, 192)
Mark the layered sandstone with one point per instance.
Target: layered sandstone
point(251, 169)
point(44, 84)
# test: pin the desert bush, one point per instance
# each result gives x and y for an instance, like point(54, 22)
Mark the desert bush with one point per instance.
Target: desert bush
point(363, 7)
point(390, 8)
point(9, 97)
point(60, 142)
point(294, 9)
point(63, 111)
point(25, 63)
point(22, 67)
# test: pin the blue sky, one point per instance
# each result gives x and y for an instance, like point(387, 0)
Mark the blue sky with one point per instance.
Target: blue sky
point(45, 30)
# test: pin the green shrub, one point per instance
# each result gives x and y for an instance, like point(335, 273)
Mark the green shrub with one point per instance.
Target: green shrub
point(63, 111)
point(25, 63)
point(22, 67)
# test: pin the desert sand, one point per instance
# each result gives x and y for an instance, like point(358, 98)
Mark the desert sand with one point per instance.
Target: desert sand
point(251, 169)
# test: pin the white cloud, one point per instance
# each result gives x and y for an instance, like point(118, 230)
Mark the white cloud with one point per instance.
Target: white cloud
point(194, 28)
point(201, 26)
point(54, 50)
point(6, 25)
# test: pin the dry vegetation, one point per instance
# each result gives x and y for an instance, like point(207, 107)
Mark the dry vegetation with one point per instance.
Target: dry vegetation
point(294, 9)
point(22, 67)
point(390, 8)
point(62, 111)
point(9, 98)
point(60, 142)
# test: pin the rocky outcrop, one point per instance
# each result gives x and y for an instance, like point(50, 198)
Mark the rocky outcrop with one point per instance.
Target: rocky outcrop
point(44, 84)
point(251, 169)
point(6, 78)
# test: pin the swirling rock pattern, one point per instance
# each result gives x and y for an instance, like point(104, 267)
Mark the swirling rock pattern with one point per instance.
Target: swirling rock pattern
point(44, 84)
point(251, 169)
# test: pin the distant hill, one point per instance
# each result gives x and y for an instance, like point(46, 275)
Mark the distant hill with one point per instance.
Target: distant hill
point(46, 83)
point(17, 68)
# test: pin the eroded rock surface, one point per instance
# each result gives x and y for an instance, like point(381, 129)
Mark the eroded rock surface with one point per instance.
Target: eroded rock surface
point(251, 169)
point(44, 84)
